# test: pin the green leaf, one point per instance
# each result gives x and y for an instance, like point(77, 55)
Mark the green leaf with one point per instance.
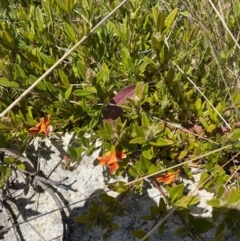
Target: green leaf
point(61, 4)
point(48, 10)
point(9, 160)
point(4, 126)
point(182, 154)
point(6, 83)
point(47, 59)
point(105, 135)
point(220, 191)
point(235, 135)
point(21, 166)
point(215, 202)
point(69, 31)
point(19, 71)
point(176, 192)
point(91, 89)
point(233, 196)
point(169, 19)
point(108, 200)
point(64, 78)
point(139, 131)
point(140, 234)
point(203, 178)
point(162, 206)
point(72, 151)
point(202, 225)
point(145, 163)
point(39, 19)
point(7, 39)
point(160, 22)
point(211, 127)
point(182, 231)
point(119, 187)
point(162, 142)
point(153, 168)
point(154, 210)
point(85, 218)
point(139, 140)
point(125, 56)
point(147, 151)
point(36, 66)
point(108, 127)
point(70, 5)
point(133, 172)
point(186, 201)
point(82, 93)
point(198, 104)
point(82, 69)
point(165, 54)
point(22, 14)
point(212, 113)
point(219, 235)
point(145, 121)
point(155, 12)
point(68, 93)
point(85, 142)
point(203, 122)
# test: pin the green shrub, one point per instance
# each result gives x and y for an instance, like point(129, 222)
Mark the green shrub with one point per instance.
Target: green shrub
point(157, 82)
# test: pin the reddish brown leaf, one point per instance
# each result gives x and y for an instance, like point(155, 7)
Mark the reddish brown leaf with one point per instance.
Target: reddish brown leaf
point(122, 95)
point(114, 110)
point(112, 113)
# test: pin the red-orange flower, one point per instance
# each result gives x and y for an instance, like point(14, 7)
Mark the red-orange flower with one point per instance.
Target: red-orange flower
point(111, 159)
point(42, 127)
point(168, 178)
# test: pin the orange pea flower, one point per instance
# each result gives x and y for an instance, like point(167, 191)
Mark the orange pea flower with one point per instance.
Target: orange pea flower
point(42, 127)
point(111, 159)
point(168, 178)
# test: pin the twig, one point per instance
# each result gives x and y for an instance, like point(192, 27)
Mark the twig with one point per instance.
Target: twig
point(55, 183)
point(54, 168)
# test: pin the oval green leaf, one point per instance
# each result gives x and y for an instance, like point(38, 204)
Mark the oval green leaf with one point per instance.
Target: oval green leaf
point(162, 142)
point(6, 83)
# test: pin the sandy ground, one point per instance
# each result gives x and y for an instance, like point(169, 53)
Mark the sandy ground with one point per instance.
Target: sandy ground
point(40, 220)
